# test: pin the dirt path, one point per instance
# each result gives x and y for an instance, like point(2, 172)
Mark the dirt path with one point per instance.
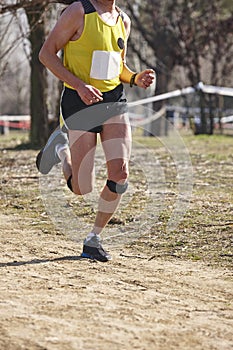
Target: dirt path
point(155, 294)
point(50, 299)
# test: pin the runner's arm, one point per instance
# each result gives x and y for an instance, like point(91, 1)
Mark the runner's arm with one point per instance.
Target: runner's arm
point(70, 22)
point(126, 73)
point(65, 28)
point(143, 79)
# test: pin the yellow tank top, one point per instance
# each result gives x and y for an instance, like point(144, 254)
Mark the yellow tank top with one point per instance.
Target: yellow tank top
point(96, 57)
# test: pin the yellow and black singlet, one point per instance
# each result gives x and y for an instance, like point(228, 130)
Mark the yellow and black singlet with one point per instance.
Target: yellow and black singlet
point(96, 57)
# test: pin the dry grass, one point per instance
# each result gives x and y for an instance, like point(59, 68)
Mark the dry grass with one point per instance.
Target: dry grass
point(206, 230)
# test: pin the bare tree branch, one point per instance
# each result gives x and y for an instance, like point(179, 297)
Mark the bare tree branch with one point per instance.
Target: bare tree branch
point(26, 4)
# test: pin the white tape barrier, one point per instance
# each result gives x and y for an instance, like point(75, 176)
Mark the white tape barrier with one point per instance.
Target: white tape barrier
point(152, 118)
point(228, 119)
point(209, 89)
point(9, 118)
point(165, 96)
point(216, 90)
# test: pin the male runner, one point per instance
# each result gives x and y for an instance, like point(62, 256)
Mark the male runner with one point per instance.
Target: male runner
point(93, 35)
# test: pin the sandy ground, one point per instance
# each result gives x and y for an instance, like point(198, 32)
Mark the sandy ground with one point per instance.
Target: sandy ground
point(52, 299)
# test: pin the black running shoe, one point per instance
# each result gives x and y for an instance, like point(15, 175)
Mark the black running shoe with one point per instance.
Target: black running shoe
point(92, 249)
point(47, 157)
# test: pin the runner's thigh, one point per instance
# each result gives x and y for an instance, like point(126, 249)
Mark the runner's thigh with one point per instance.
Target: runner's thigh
point(82, 148)
point(116, 140)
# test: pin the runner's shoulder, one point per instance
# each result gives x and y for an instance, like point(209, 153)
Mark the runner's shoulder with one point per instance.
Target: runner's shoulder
point(74, 9)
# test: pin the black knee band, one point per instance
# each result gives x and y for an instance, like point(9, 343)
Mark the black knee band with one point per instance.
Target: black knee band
point(117, 188)
point(69, 184)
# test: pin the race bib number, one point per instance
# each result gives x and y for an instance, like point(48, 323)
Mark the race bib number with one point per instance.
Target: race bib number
point(105, 65)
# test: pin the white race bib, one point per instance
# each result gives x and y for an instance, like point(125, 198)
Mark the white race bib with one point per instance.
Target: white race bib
point(105, 65)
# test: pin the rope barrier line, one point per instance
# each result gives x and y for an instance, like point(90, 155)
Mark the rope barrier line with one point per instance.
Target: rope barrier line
point(16, 125)
point(208, 89)
point(152, 118)
point(216, 90)
point(24, 121)
point(165, 96)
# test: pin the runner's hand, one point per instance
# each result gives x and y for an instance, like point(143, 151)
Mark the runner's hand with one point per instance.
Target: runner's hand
point(89, 94)
point(145, 78)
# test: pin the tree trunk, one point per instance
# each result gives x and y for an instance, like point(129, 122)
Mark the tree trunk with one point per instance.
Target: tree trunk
point(159, 126)
point(38, 97)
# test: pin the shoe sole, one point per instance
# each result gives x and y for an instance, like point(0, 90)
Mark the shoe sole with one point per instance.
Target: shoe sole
point(88, 256)
point(42, 163)
point(42, 166)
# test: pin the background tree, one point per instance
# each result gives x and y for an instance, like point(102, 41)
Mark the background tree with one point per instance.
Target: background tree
point(38, 97)
point(177, 36)
point(187, 34)
point(14, 66)
point(34, 11)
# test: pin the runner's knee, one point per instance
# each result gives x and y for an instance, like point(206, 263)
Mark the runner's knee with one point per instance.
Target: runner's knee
point(120, 173)
point(115, 187)
point(117, 181)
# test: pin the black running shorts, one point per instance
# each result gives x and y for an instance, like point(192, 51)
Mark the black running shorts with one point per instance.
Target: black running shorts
point(79, 116)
